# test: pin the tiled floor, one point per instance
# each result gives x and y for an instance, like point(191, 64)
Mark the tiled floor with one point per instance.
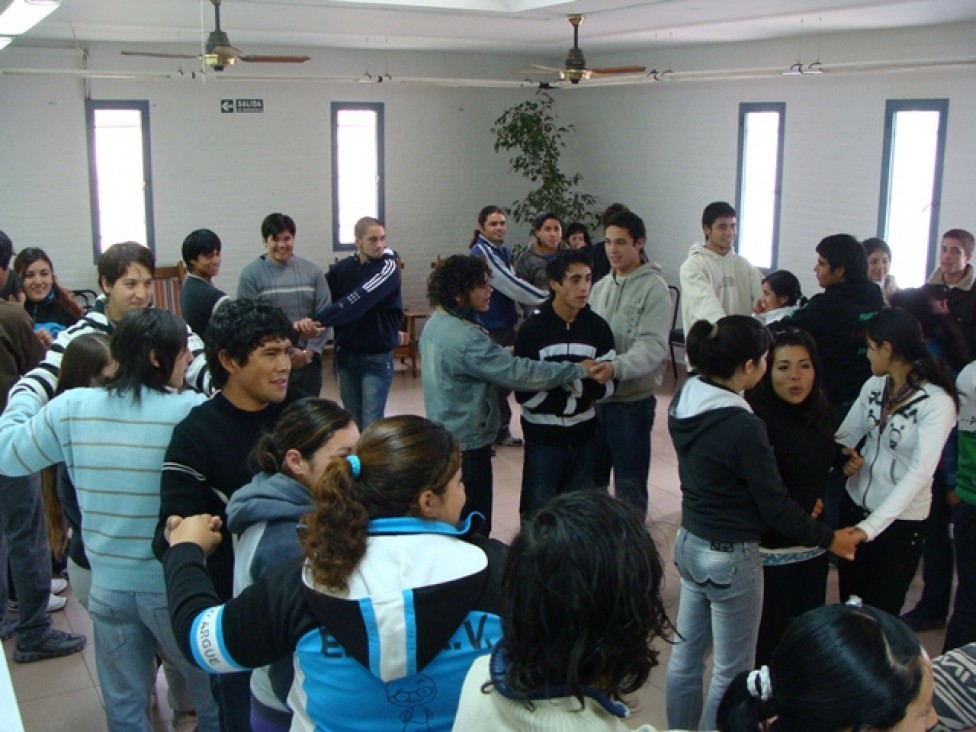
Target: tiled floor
point(63, 694)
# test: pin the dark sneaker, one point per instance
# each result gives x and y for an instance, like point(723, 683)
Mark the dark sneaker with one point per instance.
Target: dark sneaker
point(919, 623)
point(55, 644)
point(509, 441)
point(7, 627)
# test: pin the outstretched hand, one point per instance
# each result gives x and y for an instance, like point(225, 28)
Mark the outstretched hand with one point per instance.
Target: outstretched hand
point(201, 529)
point(845, 542)
point(601, 371)
point(308, 328)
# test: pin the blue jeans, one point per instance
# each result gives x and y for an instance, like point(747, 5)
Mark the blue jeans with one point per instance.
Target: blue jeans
point(23, 538)
point(623, 442)
point(721, 600)
point(548, 471)
point(962, 624)
point(129, 627)
point(364, 384)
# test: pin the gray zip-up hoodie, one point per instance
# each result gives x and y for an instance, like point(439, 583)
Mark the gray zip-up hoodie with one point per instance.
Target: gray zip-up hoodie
point(638, 308)
point(263, 517)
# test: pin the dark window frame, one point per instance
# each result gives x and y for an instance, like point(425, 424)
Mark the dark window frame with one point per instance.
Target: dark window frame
point(377, 107)
point(892, 107)
point(746, 108)
point(91, 106)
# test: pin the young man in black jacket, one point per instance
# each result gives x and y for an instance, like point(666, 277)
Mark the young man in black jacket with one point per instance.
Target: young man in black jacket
point(559, 428)
point(207, 458)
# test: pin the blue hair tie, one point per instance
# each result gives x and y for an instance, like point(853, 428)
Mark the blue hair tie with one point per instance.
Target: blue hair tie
point(355, 465)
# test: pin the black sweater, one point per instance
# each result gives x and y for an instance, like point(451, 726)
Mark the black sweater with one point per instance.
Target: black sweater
point(836, 319)
point(804, 456)
point(731, 490)
point(205, 463)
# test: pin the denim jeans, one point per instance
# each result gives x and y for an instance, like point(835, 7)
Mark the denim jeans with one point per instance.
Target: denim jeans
point(23, 539)
point(623, 442)
point(503, 338)
point(548, 471)
point(962, 624)
point(364, 384)
point(721, 599)
point(129, 626)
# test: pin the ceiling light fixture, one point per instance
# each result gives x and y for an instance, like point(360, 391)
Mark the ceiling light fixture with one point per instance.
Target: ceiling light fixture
point(21, 15)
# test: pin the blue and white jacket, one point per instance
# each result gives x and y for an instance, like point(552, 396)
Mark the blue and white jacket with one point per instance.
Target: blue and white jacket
point(367, 308)
point(508, 287)
point(390, 653)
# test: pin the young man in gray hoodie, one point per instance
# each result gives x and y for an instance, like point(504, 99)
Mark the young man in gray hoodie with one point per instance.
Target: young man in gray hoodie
point(635, 301)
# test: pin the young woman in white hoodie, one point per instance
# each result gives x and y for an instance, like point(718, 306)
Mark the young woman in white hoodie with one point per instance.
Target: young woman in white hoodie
point(899, 425)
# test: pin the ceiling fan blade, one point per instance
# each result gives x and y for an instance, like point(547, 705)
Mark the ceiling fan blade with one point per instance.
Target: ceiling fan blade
point(275, 59)
point(608, 70)
point(226, 51)
point(546, 69)
point(150, 54)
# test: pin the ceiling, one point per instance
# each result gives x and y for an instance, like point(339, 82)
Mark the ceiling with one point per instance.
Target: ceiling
point(514, 27)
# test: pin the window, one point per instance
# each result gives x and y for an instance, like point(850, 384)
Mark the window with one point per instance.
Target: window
point(120, 171)
point(357, 168)
point(911, 185)
point(760, 180)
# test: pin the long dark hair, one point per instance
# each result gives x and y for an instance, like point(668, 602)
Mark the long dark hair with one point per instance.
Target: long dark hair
point(399, 459)
point(142, 335)
point(718, 349)
point(899, 327)
point(940, 328)
point(816, 408)
point(581, 600)
point(836, 667)
point(63, 299)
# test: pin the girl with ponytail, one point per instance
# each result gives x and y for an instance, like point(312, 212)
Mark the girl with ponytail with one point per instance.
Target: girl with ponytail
point(266, 512)
point(838, 667)
point(898, 427)
point(732, 494)
point(393, 600)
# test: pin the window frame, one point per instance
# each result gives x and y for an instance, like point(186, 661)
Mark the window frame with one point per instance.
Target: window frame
point(746, 108)
point(892, 107)
point(142, 105)
point(337, 107)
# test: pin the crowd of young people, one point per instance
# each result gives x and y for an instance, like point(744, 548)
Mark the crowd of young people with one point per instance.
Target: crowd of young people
point(336, 514)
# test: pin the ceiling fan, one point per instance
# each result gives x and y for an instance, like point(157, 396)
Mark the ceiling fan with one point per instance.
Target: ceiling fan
point(218, 53)
point(574, 67)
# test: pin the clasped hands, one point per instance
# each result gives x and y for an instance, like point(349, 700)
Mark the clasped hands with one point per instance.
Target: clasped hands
point(201, 529)
point(599, 371)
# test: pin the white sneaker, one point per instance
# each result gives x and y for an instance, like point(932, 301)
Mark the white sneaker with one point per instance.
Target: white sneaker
point(58, 585)
point(183, 722)
point(55, 603)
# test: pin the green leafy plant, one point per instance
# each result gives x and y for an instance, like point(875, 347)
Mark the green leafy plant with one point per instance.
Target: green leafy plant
point(532, 130)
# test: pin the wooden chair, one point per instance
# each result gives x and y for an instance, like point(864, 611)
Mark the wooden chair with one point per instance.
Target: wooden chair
point(166, 287)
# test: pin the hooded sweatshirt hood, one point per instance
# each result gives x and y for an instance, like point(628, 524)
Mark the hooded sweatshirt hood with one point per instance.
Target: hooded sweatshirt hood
point(698, 407)
point(268, 497)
